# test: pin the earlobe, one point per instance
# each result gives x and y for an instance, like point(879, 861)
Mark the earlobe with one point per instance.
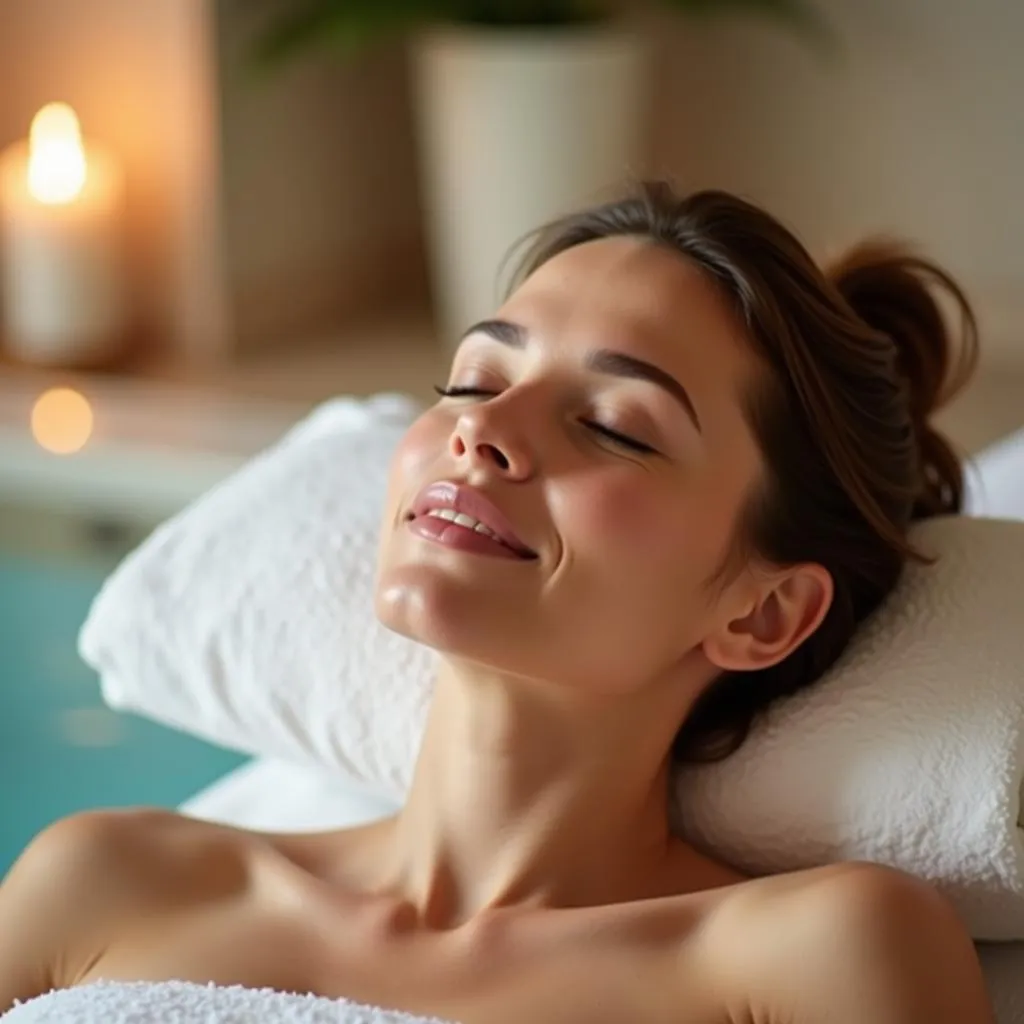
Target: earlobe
point(784, 614)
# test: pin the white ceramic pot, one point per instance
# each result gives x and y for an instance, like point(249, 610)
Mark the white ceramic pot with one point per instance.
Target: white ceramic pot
point(516, 127)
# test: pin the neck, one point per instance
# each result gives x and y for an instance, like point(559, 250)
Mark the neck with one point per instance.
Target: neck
point(525, 796)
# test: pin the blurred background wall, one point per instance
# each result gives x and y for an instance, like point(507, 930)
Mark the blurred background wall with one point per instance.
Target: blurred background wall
point(321, 209)
point(918, 130)
point(267, 210)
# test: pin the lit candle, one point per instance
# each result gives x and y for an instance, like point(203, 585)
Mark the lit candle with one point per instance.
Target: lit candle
point(60, 223)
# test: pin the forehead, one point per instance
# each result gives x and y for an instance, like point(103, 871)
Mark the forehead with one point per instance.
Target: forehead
point(640, 297)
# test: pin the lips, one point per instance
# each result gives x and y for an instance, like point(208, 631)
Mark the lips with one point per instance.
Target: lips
point(451, 501)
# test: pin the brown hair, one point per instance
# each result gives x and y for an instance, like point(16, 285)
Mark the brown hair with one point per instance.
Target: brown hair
point(859, 357)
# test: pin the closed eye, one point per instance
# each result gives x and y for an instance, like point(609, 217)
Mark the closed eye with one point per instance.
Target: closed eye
point(624, 440)
point(457, 392)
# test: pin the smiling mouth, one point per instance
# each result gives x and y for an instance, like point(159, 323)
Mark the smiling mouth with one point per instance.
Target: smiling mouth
point(463, 531)
point(467, 521)
point(459, 516)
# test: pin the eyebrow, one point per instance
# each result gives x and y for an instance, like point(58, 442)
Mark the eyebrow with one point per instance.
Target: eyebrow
point(607, 361)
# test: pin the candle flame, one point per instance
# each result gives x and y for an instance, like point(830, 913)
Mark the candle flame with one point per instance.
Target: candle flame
point(62, 421)
point(56, 161)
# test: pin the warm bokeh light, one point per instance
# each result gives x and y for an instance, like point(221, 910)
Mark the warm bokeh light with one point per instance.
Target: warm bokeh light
point(62, 421)
point(56, 160)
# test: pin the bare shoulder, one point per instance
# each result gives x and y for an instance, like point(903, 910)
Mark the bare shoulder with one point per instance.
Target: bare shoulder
point(85, 875)
point(113, 856)
point(847, 943)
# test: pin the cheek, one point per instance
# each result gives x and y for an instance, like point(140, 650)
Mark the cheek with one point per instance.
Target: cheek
point(637, 526)
point(619, 517)
point(420, 448)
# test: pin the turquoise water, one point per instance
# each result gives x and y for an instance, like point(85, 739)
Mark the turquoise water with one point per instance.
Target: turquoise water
point(61, 749)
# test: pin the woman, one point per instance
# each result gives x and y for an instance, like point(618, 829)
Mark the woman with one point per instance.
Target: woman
point(660, 488)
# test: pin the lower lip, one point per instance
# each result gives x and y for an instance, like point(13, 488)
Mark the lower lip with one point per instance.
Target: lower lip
point(462, 538)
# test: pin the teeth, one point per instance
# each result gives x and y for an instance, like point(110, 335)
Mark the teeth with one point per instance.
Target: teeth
point(463, 520)
point(443, 513)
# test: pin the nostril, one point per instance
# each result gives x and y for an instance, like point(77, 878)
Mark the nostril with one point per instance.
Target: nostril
point(495, 453)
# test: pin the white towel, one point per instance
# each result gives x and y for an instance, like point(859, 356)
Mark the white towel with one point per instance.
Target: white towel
point(910, 753)
point(182, 1002)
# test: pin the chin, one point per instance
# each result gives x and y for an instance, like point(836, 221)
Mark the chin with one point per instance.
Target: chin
point(453, 603)
point(417, 602)
point(451, 618)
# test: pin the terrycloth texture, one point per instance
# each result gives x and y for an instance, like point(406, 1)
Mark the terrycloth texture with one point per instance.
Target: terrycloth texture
point(909, 753)
point(248, 619)
point(181, 1002)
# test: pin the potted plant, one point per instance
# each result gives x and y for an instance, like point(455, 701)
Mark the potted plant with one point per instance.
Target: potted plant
point(525, 109)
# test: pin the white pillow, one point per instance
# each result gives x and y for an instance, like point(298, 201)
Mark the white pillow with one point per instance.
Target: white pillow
point(995, 481)
point(248, 620)
point(277, 796)
point(247, 617)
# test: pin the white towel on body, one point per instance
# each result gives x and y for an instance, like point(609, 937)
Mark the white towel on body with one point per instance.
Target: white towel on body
point(183, 1002)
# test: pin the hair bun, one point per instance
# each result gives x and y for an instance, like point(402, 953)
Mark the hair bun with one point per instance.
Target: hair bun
point(898, 294)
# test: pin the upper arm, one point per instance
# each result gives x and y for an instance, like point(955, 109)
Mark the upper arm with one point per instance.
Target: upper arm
point(59, 900)
point(885, 947)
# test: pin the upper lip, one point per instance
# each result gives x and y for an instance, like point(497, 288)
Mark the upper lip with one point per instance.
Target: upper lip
point(465, 499)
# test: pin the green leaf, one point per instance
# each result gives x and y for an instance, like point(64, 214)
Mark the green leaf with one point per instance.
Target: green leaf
point(346, 25)
point(530, 13)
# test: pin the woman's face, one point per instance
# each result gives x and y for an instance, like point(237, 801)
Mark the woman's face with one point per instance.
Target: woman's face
point(596, 424)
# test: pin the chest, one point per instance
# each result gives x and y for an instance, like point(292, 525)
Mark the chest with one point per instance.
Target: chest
point(585, 976)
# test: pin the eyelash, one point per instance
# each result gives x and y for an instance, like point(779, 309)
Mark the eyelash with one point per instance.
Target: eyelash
point(599, 428)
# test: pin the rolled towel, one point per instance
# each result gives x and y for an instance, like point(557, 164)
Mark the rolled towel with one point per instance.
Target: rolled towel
point(909, 753)
point(248, 620)
point(160, 1002)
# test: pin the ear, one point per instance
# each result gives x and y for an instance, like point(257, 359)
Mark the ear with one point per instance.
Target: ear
point(784, 610)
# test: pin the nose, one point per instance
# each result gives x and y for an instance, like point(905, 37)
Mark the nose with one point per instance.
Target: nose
point(489, 439)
